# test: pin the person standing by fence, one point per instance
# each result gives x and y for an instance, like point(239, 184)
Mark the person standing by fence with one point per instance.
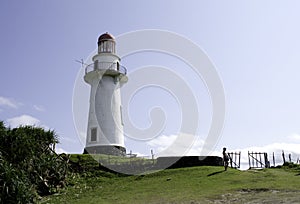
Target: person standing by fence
point(225, 158)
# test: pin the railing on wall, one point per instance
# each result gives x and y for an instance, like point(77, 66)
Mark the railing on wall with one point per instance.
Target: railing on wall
point(115, 66)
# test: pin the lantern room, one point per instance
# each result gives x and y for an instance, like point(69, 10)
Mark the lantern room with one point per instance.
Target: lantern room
point(106, 44)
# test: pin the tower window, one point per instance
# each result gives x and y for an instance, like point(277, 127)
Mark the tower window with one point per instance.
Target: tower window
point(118, 66)
point(96, 65)
point(93, 134)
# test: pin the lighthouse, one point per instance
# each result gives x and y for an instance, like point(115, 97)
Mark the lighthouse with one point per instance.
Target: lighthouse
point(105, 76)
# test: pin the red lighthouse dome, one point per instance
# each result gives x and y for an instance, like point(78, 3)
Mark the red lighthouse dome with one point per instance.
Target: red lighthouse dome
point(106, 43)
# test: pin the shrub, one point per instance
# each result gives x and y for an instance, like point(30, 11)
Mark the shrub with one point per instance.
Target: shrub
point(28, 164)
point(14, 185)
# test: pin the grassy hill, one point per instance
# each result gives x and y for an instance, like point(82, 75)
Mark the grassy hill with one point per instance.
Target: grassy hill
point(186, 185)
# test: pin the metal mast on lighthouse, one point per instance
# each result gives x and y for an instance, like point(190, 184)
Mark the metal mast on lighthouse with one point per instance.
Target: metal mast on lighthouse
point(106, 76)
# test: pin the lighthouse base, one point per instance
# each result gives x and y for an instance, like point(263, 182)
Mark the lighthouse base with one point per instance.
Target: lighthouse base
point(108, 150)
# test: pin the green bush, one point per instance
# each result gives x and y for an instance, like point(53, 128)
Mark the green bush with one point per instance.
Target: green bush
point(28, 164)
point(14, 185)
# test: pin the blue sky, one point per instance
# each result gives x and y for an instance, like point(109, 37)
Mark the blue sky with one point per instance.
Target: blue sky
point(253, 44)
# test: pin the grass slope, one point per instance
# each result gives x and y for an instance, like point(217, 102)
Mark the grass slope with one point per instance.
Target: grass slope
point(187, 185)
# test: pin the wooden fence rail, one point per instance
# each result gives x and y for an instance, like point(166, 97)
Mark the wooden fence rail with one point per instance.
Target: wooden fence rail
point(235, 159)
point(258, 160)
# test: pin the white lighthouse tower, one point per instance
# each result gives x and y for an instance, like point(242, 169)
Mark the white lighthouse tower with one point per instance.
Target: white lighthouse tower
point(106, 76)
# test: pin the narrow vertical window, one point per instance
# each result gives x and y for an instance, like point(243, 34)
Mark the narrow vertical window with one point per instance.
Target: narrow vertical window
point(93, 134)
point(109, 48)
point(96, 65)
point(102, 46)
point(112, 47)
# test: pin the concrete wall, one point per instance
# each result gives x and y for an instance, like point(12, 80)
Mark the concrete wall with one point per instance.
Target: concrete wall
point(188, 161)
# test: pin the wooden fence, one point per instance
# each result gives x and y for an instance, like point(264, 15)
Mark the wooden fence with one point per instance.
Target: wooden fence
point(234, 159)
point(258, 160)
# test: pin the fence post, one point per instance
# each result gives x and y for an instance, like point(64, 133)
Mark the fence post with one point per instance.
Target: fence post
point(283, 157)
point(267, 163)
point(261, 165)
point(152, 156)
point(249, 160)
point(239, 159)
point(252, 159)
point(256, 159)
point(273, 159)
point(235, 159)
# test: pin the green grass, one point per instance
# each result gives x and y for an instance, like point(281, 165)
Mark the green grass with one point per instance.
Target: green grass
point(187, 185)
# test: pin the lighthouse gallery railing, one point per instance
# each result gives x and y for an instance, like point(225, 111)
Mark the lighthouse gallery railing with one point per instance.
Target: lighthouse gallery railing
point(106, 66)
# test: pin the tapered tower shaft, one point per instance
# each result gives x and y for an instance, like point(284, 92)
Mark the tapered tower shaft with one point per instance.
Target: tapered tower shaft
point(105, 76)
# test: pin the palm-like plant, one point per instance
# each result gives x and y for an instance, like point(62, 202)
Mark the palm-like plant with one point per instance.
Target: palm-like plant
point(28, 162)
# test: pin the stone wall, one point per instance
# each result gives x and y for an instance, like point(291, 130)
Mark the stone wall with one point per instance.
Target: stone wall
point(188, 161)
point(108, 150)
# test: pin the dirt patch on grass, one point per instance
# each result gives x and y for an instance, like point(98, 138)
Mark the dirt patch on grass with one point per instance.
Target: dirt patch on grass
point(259, 196)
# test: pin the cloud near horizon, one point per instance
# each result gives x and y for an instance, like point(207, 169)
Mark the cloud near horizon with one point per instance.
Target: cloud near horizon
point(277, 148)
point(24, 120)
point(164, 146)
point(185, 145)
point(294, 137)
point(9, 102)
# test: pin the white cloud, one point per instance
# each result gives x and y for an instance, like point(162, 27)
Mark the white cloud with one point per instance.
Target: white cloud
point(23, 120)
point(175, 145)
point(172, 146)
point(277, 148)
point(8, 102)
point(162, 142)
point(60, 150)
point(294, 137)
point(39, 108)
